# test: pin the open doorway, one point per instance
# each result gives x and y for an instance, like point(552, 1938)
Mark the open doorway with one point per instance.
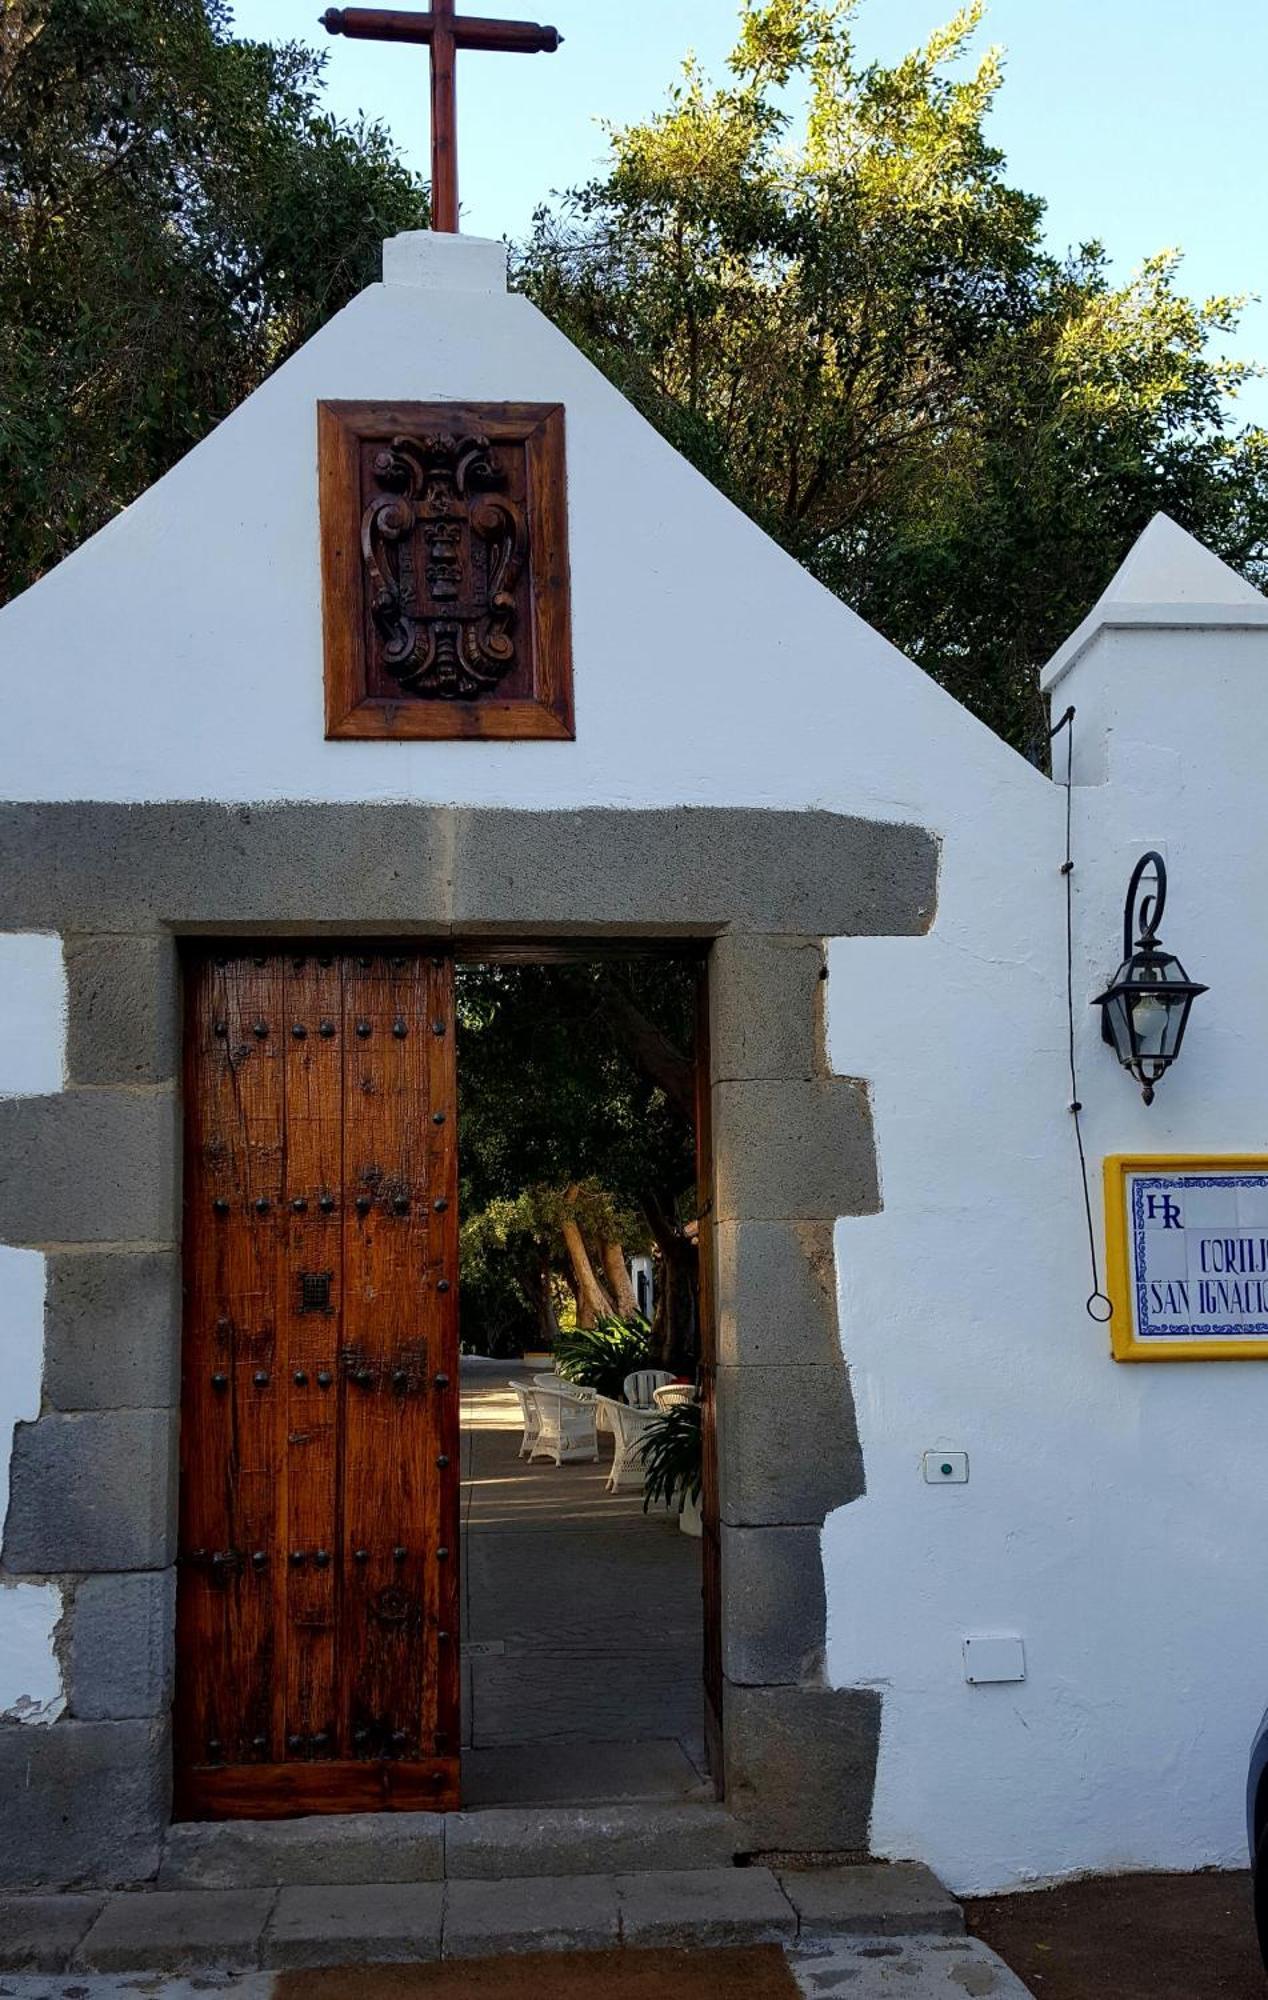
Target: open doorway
point(585, 1325)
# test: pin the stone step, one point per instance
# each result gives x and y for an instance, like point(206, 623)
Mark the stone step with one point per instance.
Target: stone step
point(490, 1844)
point(588, 1840)
point(871, 1899)
point(209, 1932)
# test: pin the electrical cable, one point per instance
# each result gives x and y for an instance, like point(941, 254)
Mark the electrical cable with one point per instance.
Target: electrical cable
point(1096, 1297)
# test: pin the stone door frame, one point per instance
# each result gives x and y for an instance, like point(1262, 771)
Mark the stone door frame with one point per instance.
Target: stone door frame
point(91, 1177)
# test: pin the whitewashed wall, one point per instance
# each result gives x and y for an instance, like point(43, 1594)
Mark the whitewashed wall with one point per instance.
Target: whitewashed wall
point(32, 1059)
point(1114, 1517)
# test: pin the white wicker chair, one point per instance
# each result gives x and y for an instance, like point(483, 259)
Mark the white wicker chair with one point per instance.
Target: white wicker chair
point(638, 1388)
point(673, 1395)
point(530, 1416)
point(629, 1427)
point(560, 1387)
point(567, 1433)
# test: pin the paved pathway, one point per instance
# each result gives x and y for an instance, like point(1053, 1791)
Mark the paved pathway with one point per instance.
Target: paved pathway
point(582, 1624)
point(863, 1969)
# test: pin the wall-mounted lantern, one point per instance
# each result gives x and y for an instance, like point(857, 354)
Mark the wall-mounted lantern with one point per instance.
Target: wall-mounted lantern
point(1145, 1007)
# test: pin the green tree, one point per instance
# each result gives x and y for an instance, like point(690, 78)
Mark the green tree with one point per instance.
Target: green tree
point(577, 1141)
point(176, 217)
point(853, 328)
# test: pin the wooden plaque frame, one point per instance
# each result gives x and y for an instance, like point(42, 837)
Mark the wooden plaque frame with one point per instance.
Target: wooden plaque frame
point(536, 700)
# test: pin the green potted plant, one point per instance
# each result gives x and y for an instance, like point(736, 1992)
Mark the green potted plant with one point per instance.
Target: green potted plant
point(673, 1457)
point(601, 1356)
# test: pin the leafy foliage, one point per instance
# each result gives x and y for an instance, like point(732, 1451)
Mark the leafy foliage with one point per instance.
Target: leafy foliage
point(176, 217)
point(673, 1454)
point(557, 1122)
point(601, 1356)
point(856, 332)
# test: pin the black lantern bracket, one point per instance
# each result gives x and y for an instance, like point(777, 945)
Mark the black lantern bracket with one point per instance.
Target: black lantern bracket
point(1145, 1008)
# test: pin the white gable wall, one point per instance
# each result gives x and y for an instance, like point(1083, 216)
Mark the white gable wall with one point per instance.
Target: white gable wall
point(178, 654)
point(1113, 1517)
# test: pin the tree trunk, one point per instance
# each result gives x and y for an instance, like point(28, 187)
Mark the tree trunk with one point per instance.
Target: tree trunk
point(675, 1329)
point(649, 1049)
point(617, 1274)
point(592, 1300)
point(537, 1283)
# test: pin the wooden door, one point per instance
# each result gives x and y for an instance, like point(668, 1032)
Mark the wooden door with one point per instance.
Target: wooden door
point(317, 1614)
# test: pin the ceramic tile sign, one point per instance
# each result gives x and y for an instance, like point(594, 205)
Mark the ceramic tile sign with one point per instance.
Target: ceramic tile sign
point(1187, 1256)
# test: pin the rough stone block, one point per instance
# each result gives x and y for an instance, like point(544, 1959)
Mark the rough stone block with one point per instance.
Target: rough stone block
point(385, 1924)
point(788, 1449)
point(766, 1007)
point(793, 1151)
point(94, 868)
point(112, 1328)
point(872, 1899)
point(546, 1913)
point(39, 1933)
point(692, 869)
point(801, 1766)
point(587, 1840)
point(776, 1294)
point(85, 1803)
point(122, 1023)
point(261, 1854)
point(93, 1492)
point(775, 1619)
point(203, 1931)
point(102, 867)
point(706, 1906)
point(89, 1166)
point(123, 1646)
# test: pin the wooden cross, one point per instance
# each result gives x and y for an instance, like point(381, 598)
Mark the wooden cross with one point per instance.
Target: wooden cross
point(444, 32)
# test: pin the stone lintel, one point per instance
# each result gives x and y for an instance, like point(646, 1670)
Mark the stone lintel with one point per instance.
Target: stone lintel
point(96, 867)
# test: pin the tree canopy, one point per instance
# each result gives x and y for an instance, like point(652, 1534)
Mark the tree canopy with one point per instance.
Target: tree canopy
point(177, 215)
point(817, 281)
point(576, 1126)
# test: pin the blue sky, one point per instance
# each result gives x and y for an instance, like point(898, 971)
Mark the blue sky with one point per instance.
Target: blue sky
point(1139, 121)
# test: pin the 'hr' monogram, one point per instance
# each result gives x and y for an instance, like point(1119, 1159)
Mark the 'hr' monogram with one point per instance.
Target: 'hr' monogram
point(1167, 1207)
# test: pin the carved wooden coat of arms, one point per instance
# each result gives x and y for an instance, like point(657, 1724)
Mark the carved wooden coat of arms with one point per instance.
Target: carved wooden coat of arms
point(445, 570)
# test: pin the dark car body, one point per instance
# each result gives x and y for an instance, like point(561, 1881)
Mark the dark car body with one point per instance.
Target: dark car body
point(1257, 1829)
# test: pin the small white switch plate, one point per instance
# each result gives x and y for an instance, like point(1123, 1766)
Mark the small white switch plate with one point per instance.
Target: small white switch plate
point(947, 1468)
point(993, 1657)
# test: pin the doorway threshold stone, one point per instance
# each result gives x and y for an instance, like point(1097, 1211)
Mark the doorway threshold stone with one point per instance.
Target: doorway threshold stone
point(589, 1840)
point(568, 1773)
point(277, 1853)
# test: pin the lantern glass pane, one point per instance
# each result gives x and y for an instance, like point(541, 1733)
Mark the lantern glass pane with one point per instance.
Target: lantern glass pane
point(1118, 1014)
point(1151, 1017)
